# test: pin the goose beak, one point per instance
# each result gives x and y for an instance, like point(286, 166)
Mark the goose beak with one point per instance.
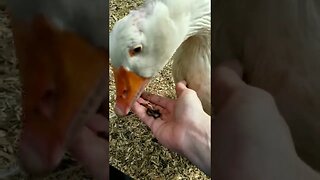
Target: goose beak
point(59, 72)
point(129, 87)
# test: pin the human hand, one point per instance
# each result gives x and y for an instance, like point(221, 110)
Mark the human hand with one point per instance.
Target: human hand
point(182, 126)
point(251, 140)
point(90, 147)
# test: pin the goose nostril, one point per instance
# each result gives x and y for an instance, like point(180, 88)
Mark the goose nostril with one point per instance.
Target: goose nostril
point(124, 93)
point(46, 106)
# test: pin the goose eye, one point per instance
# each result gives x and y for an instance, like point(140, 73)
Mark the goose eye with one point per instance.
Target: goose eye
point(135, 50)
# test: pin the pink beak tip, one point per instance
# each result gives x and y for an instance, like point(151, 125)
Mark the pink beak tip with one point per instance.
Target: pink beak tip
point(121, 111)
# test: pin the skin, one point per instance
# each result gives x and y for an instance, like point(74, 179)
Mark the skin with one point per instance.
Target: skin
point(90, 149)
point(179, 126)
point(251, 138)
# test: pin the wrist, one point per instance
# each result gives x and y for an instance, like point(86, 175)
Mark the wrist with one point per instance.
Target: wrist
point(197, 143)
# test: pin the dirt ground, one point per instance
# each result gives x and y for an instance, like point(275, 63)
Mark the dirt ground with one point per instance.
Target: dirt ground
point(132, 147)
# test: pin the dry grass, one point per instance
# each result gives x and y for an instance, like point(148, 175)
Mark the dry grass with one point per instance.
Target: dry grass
point(10, 96)
point(132, 148)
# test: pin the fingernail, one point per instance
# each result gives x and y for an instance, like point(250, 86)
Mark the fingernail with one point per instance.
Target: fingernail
point(183, 82)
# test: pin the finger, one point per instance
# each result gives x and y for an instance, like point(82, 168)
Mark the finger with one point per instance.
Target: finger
point(226, 80)
point(142, 101)
point(158, 100)
point(92, 152)
point(162, 110)
point(180, 87)
point(233, 65)
point(228, 75)
point(98, 123)
point(140, 111)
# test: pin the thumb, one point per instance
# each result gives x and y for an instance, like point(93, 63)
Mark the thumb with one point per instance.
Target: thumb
point(227, 78)
point(180, 87)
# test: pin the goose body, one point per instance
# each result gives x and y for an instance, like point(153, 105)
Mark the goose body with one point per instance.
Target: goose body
point(143, 42)
point(278, 44)
point(62, 51)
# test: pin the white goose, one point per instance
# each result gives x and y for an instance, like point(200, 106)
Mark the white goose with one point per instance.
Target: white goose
point(143, 42)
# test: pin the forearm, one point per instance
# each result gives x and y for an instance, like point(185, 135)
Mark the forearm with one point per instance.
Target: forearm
point(198, 146)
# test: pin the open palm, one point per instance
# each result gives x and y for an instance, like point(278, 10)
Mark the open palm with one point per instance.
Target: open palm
point(177, 116)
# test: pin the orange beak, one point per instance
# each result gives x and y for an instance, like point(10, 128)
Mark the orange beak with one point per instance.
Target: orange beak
point(64, 81)
point(129, 87)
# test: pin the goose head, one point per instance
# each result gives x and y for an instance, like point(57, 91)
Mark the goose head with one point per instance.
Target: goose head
point(140, 45)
